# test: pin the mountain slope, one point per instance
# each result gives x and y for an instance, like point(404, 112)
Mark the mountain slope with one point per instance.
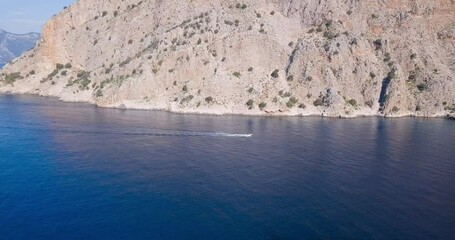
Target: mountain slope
point(13, 45)
point(331, 57)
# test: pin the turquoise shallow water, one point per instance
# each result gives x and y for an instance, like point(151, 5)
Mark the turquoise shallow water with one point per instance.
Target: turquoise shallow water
point(74, 171)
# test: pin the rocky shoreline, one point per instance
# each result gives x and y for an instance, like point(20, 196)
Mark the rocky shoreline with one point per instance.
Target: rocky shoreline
point(217, 111)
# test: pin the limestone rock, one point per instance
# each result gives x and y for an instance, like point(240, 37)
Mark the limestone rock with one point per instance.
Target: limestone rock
point(329, 57)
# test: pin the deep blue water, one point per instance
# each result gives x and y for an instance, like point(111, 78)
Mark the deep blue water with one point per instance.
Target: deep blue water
point(74, 171)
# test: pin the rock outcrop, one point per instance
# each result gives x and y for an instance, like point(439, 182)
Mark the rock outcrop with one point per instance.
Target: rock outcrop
point(276, 57)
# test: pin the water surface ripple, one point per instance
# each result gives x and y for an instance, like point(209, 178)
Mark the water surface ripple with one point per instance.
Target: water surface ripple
point(74, 171)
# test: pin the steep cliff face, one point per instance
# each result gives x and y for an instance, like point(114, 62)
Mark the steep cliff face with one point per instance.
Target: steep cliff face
point(330, 57)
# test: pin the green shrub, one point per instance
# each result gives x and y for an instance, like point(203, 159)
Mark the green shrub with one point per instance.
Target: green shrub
point(372, 75)
point(52, 74)
point(391, 74)
point(237, 74)
point(185, 88)
point(123, 63)
point(291, 103)
point(318, 102)
point(387, 57)
point(251, 90)
point(209, 99)
point(369, 103)
point(59, 66)
point(275, 73)
point(99, 93)
point(262, 105)
point(12, 77)
point(352, 102)
point(422, 87)
point(293, 99)
point(68, 65)
point(378, 44)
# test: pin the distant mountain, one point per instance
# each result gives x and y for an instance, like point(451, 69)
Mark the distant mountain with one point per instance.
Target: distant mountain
point(13, 45)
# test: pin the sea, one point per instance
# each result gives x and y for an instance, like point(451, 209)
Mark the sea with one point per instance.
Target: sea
point(76, 171)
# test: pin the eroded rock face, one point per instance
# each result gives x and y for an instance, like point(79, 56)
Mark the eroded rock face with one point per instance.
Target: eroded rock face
point(330, 57)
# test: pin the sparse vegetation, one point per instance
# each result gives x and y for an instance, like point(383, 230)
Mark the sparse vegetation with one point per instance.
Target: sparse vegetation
point(241, 6)
point(250, 103)
point(372, 75)
point(378, 44)
point(275, 73)
point(320, 101)
point(123, 63)
point(209, 99)
point(352, 102)
point(292, 102)
point(369, 103)
point(422, 87)
point(12, 77)
point(99, 93)
point(262, 105)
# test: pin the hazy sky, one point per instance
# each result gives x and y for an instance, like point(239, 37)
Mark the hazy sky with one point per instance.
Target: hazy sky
point(23, 16)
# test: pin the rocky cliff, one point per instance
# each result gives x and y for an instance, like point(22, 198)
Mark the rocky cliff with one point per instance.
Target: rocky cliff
point(13, 45)
point(282, 57)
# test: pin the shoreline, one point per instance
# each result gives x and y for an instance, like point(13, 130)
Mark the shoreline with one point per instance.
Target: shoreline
point(142, 107)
